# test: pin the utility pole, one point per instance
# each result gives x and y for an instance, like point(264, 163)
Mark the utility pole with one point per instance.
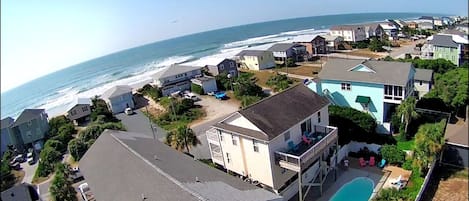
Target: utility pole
point(149, 121)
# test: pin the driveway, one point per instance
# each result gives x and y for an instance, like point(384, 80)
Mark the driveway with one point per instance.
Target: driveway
point(43, 189)
point(139, 123)
point(29, 171)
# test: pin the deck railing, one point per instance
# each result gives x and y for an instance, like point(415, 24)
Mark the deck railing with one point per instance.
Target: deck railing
point(212, 134)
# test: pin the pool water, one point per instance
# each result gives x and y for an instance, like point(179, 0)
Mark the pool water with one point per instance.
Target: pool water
point(359, 189)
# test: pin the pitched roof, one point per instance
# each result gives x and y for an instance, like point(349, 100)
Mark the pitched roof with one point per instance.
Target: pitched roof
point(457, 134)
point(372, 26)
point(423, 74)
point(282, 47)
point(306, 38)
point(455, 32)
point(347, 27)
point(116, 91)
point(173, 70)
point(443, 40)
point(79, 101)
point(330, 38)
point(256, 53)
point(28, 115)
point(385, 72)
point(136, 164)
point(23, 192)
point(388, 25)
point(6, 122)
point(275, 114)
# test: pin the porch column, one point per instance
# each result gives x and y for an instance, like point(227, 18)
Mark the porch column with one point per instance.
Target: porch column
point(321, 168)
point(300, 193)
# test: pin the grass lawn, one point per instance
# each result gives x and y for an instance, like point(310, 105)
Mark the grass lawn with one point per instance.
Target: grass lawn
point(304, 70)
point(262, 76)
point(199, 113)
point(405, 145)
point(364, 53)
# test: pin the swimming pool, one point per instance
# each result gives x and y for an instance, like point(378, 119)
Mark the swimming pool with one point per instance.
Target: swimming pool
point(359, 189)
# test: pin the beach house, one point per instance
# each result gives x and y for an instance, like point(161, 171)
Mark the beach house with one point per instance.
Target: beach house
point(333, 42)
point(373, 30)
point(450, 47)
point(423, 81)
point(6, 134)
point(228, 66)
point(29, 129)
point(277, 139)
point(176, 78)
point(463, 27)
point(124, 166)
point(79, 110)
point(118, 98)
point(207, 83)
point(284, 51)
point(255, 59)
point(456, 147)
point(390, 30)
point(374, 87)
point(412, 25)
point(425, 26)
point(350, 33)
point(314, 44)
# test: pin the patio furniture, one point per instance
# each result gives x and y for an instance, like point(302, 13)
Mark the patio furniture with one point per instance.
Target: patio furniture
point(292, 146)
point(372, 161)
point(305, 139)
point(397, 181)
point(382, 163)
point(362, 162)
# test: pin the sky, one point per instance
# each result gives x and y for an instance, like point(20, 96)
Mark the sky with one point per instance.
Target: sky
point(40, 37)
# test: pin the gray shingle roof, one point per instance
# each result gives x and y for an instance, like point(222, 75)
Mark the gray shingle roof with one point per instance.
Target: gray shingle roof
point(6, 122)
point(117, 91)
point(386, 72)
point(281, 47)
point(347, 27)
point(256, 53)
point(173, 70)
point(21, 192)
point(28, 115)
point(275, 114)
point(423, 74)
point(443, 41)
point(78, 101)
point(136, 164)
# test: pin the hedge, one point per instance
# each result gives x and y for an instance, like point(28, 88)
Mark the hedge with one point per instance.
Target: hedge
point(197, 89)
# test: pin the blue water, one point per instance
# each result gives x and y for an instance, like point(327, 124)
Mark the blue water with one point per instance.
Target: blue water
point(359, 189)
point(134, 66)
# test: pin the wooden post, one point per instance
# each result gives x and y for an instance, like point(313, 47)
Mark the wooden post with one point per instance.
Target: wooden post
point(300, 194)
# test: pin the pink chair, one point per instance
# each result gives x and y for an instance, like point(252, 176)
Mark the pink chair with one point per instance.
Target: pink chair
point(306, 140)
point(372, 161)
point(362, 162)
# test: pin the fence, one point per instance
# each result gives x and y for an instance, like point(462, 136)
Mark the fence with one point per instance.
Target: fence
point(426, 181)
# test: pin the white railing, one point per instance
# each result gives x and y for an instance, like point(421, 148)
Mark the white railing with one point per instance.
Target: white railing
point(212, 134)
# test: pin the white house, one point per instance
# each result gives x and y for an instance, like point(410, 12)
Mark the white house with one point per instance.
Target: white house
point(79, 110)
point(176, 78)
point(423, 81)
point(208, 83)
point(256, 59)
point(264, 142)
point(118, 98)
point(390, 30)
point(350, 33)
point(333, 42)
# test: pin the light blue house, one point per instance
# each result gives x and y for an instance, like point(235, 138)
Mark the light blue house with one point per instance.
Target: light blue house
point(6, 134)
point(374, 87)
point(29, 129)
point(118, 98)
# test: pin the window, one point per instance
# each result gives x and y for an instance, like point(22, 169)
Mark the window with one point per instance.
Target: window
point(228, 159)
point(262, 58)
point(306, 127)
point(232, 64)
point(30, 123)
point(233, 139)
point(420, 82)
point(286, 136)
point(222, 67)
point(84, 109)
point(346, 86)
point(255, 146)
point(221, 136)
point(319, 117)
point(387, 90)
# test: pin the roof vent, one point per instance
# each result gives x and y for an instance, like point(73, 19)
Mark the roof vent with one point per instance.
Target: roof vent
point(197, 179)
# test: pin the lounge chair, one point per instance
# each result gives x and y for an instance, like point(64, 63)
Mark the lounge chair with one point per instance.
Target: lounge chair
point(305, 139)
point(397, 181)
point(362, 162)
point(292, 146)
point(382, 163)
point(372, 161)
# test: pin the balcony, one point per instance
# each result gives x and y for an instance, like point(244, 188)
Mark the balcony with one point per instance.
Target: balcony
point(295, 160)
point(212, 135)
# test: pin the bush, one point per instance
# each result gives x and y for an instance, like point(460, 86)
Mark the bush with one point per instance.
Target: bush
point(56, 123)
point(279, 82)
point(197, 89)
point(223, 82)
point(77, 148)
point(49, 158)
point(150, 91)
point(376, 45)
point(407, 165)
point(56, 145)
point(61, 187)
point(290, 62)
point(392, 154)
point(248, 100)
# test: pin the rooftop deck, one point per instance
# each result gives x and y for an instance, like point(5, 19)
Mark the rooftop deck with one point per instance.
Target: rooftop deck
point(321, 137)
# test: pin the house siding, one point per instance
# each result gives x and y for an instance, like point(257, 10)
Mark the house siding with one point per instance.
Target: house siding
point(79, 111)
point(119, 103)
point(422, 87)
point(30, 132)
point(258, 63)
point(228, 66)
point(448, 53)
point(5, 139)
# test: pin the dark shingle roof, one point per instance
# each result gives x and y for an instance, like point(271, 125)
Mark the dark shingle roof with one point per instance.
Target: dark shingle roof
point(27, 115)
point(173, 70)
point(275, 114)
point(457, 134)
point(385, 72)
point(21, 192)
point(6, 122)
point(282, 47)
point(136, 164)
point(256, 53)
point(443, 41)
point(423, 74)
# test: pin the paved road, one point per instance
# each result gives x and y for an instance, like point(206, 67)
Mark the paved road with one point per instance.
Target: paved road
point(43, 189)
point(139, 123)
point(202, 151)
point(29, 171)
point(401, 51)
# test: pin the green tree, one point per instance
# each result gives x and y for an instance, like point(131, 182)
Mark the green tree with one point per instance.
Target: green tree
point(391, 194)
point(279, 82)
point(392, 154)
point(223, 82)
point(100, 108)
point(55, 144)
point(182, 138)
point(77, 148)
point(61, 188)
point(290, 62)
point(406, 110)
point(56, 123)
point(197, 89)
point(376, 45)
point(428, 143)
point(49, 158)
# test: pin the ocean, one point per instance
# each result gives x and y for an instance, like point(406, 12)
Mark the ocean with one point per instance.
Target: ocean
point(134, 66)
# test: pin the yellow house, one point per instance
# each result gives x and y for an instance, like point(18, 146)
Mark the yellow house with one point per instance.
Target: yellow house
point(256, 59)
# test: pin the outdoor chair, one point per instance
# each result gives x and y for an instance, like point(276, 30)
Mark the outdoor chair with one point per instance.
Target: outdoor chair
point(362, 162)
point(382, 163)
point(306, 140)
point(292, 146)
point(372, 161)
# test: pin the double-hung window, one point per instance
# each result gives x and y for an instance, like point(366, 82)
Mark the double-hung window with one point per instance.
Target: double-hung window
point(346, 86)
point(255, 145)
point(234, 140)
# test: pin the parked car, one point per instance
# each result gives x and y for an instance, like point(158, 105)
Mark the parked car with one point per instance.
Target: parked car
point(220, 95)
point(76, 175)
point(19, 158)
point(191, 96)
point(128, 111)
